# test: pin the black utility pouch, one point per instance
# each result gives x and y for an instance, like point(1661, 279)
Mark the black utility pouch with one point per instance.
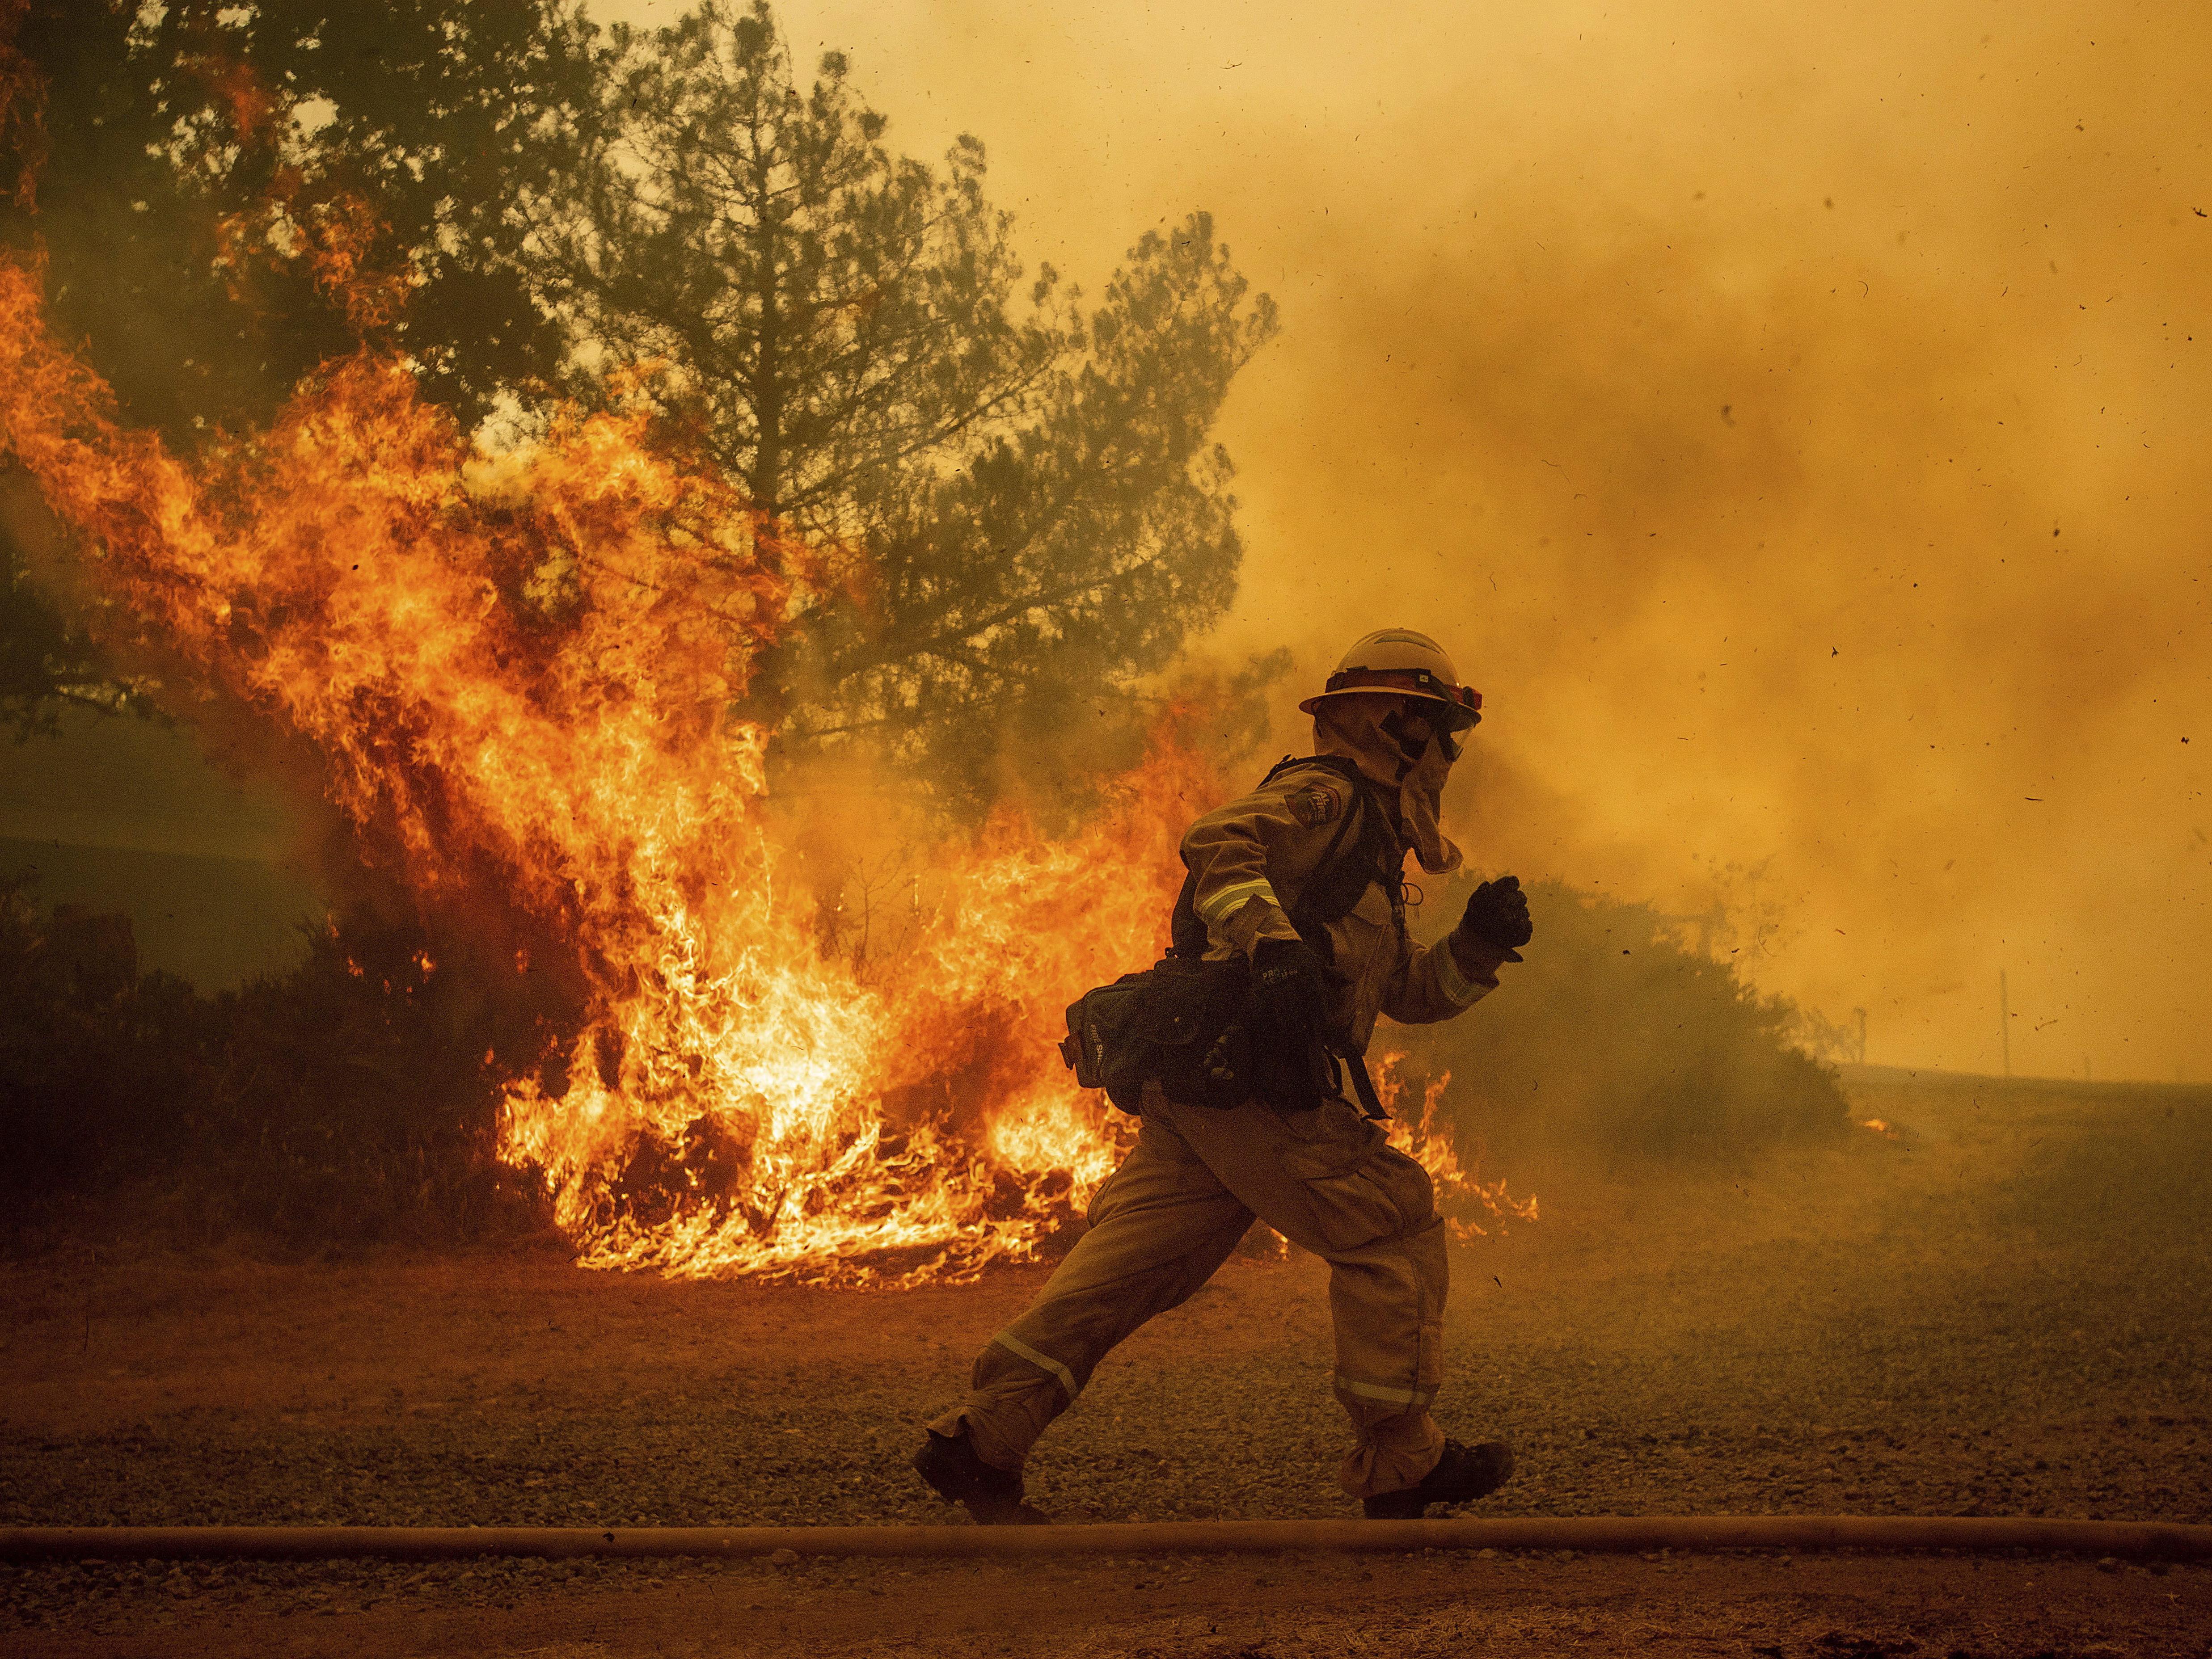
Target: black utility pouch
point(1179, 1021)
point(1098, 1045)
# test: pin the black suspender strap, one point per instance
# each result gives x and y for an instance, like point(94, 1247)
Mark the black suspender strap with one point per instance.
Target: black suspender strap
point(1370, 1105)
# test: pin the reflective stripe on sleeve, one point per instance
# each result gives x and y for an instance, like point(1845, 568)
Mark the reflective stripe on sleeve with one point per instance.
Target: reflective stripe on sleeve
point(1022, 1350)
point(1451, 980)
point(1378, 1391)
point(1224, 902)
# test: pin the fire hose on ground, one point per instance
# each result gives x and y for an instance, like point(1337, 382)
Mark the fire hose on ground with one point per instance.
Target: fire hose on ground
point(1977, 1534)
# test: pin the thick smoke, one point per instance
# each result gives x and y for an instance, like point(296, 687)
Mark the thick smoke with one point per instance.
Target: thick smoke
point(1786, 416)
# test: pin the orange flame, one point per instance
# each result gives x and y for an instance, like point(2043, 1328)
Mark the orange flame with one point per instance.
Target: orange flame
point(520, 672)
point(1429, 1138)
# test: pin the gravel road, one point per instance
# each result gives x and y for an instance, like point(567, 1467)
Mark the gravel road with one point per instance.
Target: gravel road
point(2001, 1310)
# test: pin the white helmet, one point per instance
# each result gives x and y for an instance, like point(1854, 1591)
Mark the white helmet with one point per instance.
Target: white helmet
point(1408, 663)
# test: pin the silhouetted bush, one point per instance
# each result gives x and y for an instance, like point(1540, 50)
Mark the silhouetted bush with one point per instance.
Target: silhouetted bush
point(348, 1101)
point(98, 1065)
point(352, 1098)
point(1616, 1043)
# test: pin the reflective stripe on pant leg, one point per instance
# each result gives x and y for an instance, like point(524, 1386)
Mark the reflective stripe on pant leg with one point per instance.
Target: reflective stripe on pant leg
point(1328, 1181)
point(1160, 1227)
point(1383, 1393)
point(1020, 1349)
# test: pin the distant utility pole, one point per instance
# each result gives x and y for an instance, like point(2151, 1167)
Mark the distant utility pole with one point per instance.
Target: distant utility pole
point(2004, 1021)
point(1861, 1014)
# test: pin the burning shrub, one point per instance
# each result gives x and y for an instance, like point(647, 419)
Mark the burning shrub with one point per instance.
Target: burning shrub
point(1615, 1042)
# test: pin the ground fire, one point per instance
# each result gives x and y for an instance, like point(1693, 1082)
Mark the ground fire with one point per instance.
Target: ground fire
point(519, 671)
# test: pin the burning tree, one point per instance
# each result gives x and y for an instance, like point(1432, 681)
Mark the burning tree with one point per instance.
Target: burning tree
point(173, 164)
point(1029, 509)
point(520, 678)
point(177, 161)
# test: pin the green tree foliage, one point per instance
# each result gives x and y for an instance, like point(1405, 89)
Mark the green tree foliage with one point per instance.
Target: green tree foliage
point(1617, 1044)
point(180, 166)
point(189, 158)
point(1033, 510)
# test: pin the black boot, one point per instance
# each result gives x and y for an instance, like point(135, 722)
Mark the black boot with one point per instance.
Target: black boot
point(991, 1495)
point(1462, 1474)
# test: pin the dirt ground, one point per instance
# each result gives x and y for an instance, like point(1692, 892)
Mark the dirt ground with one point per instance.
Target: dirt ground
point(2000, 1310)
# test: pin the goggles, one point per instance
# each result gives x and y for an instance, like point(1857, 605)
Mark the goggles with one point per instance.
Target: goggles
point(1453, 743)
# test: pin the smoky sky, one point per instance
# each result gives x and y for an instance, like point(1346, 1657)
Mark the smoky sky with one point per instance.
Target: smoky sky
point(1787, 416)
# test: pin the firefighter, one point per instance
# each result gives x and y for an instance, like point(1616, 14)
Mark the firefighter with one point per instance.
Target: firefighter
point(1303, 878)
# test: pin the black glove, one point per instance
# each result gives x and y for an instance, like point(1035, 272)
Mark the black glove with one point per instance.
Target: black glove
point(1498, 915)
point(1290, 992)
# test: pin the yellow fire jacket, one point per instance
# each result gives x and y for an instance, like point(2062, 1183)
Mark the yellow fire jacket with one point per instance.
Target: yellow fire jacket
point(1252, 858)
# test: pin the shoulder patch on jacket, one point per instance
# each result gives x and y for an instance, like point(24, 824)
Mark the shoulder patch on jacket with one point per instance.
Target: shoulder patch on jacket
point(1313, 803)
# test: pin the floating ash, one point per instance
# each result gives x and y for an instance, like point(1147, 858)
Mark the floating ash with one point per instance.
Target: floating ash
point(520, 673)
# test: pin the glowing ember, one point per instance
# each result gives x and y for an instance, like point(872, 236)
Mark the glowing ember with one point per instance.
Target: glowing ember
point(519, 674)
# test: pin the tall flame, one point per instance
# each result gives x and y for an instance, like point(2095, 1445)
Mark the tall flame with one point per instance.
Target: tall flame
point(519, 673)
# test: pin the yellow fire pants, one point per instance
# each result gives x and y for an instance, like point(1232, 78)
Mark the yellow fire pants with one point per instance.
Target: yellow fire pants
point(1163, 1222)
